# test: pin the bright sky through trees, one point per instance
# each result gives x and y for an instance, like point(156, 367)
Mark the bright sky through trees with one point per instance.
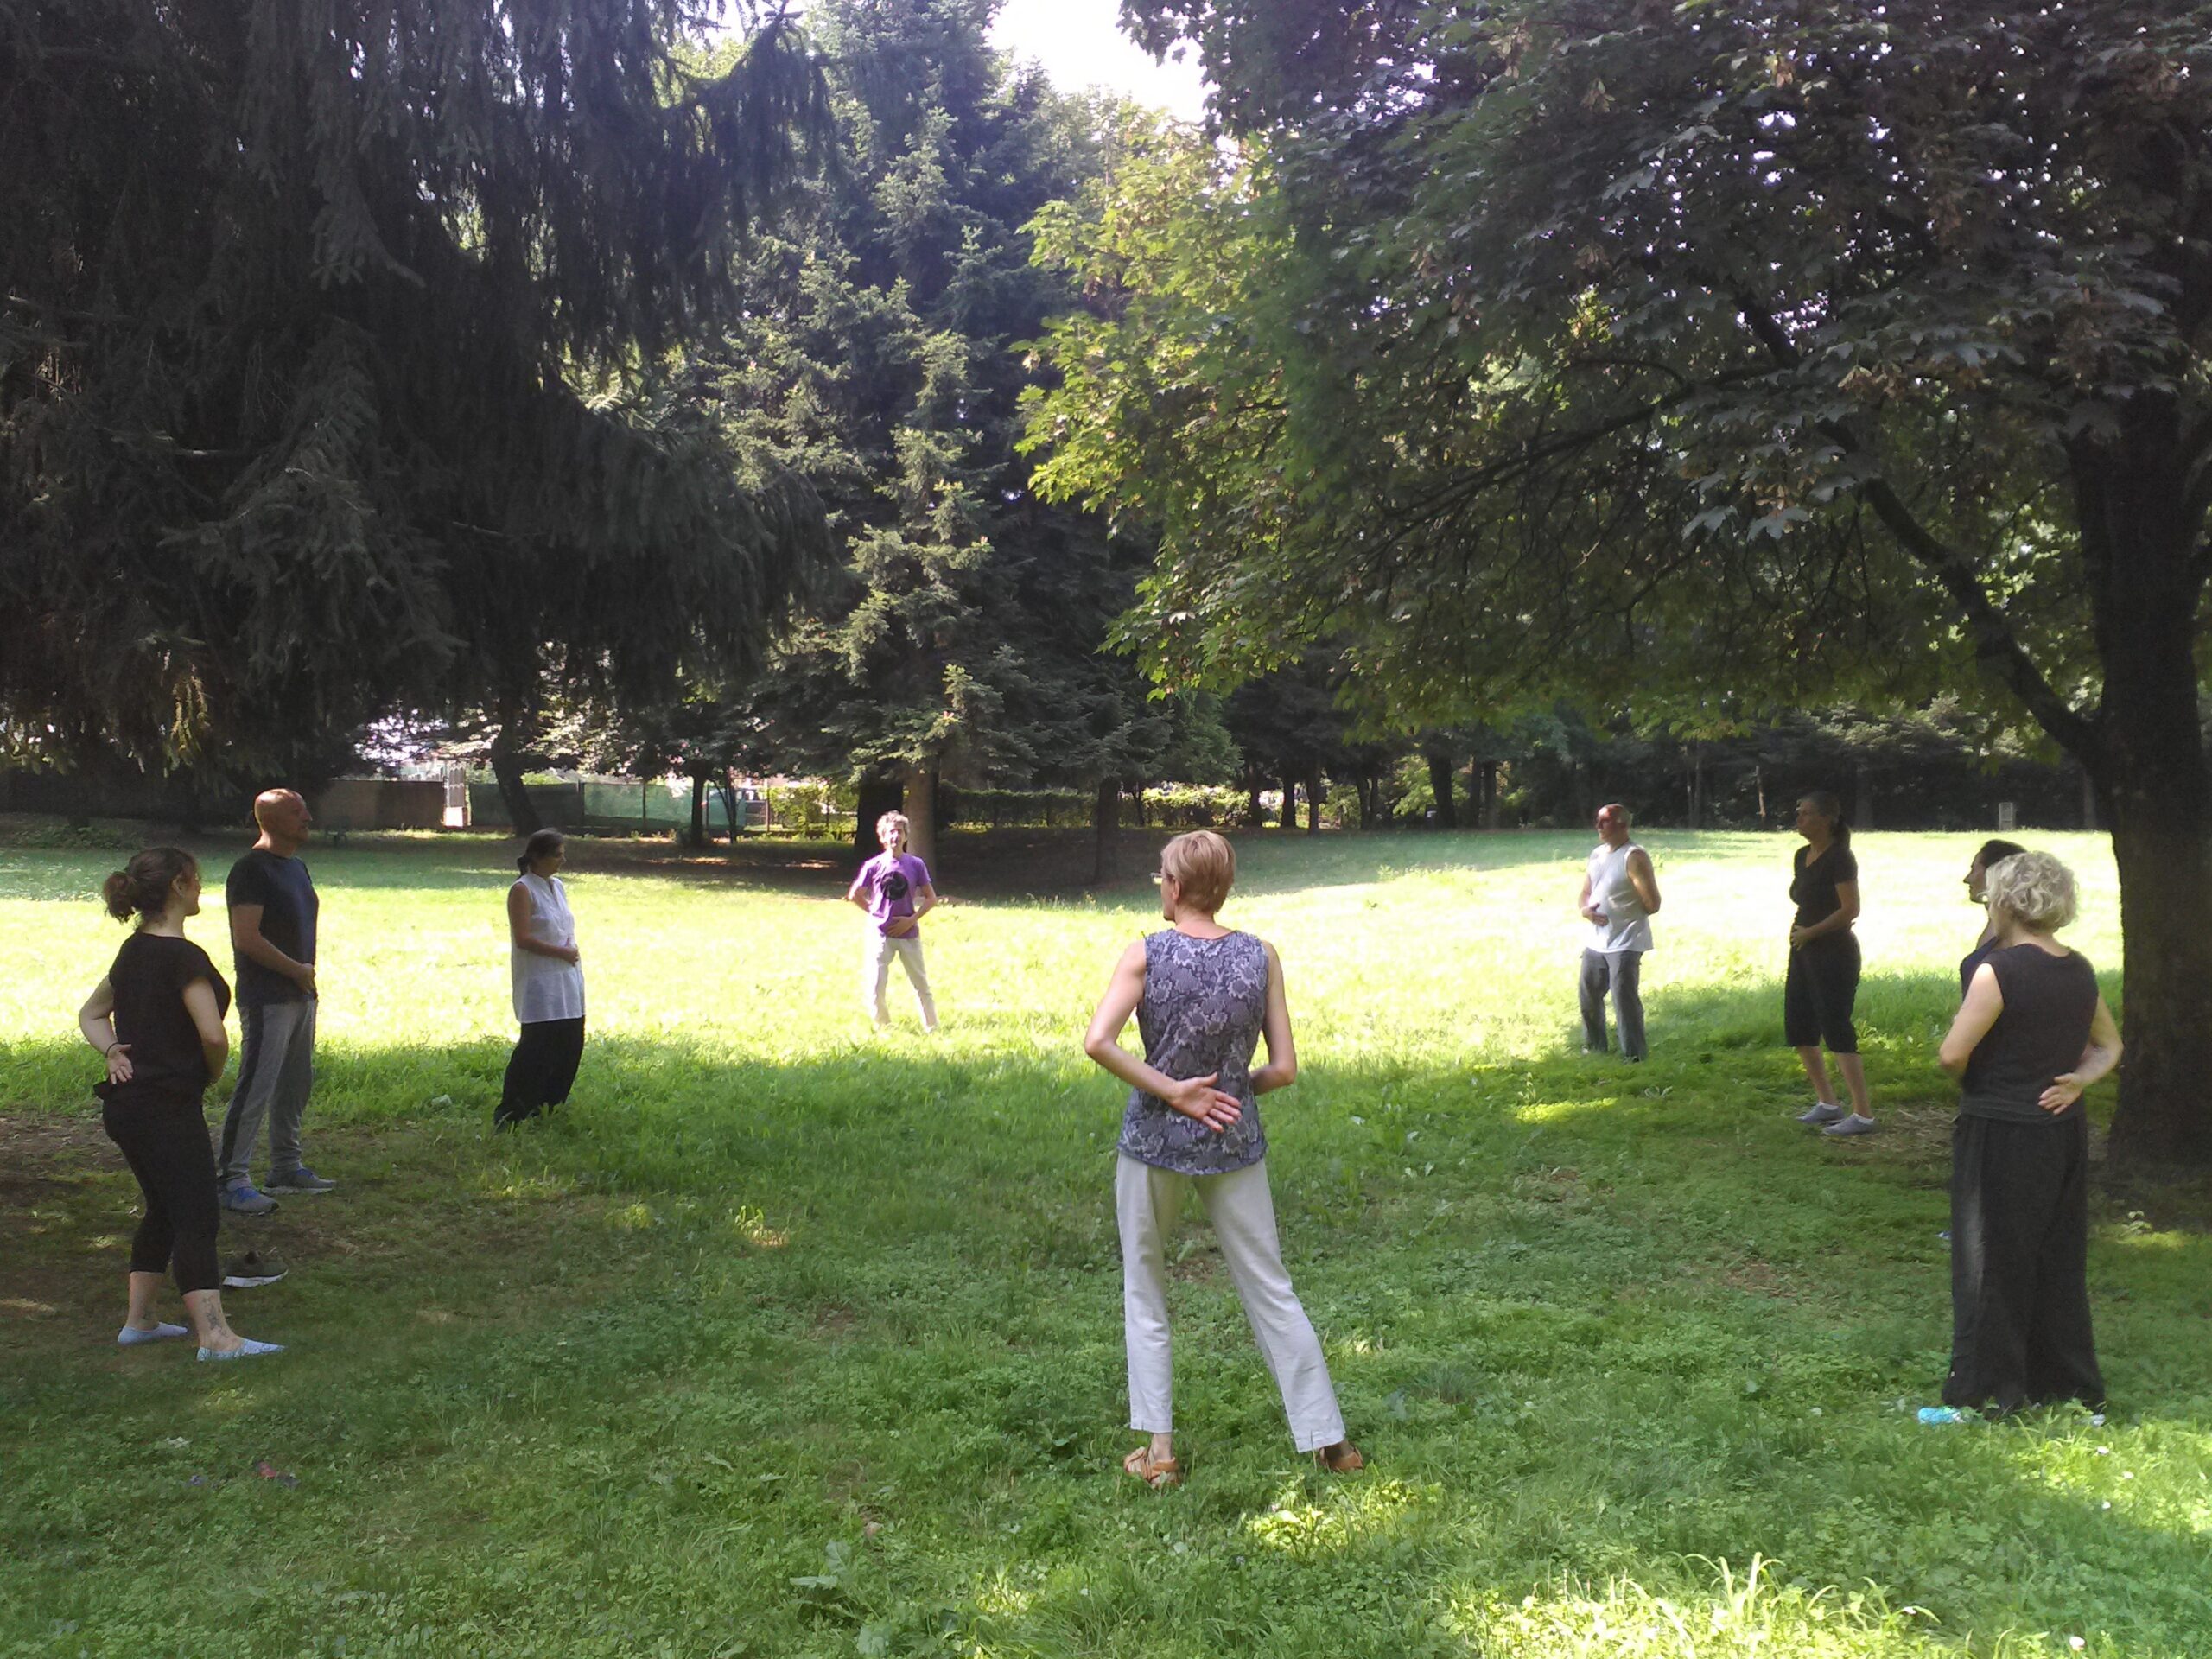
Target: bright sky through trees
point(1077, 44)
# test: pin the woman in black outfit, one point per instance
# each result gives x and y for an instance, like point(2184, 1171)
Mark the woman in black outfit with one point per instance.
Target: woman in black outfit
point(1822, 983)
point(158, 1019)
point(1987, 857)
point(2032, 1033)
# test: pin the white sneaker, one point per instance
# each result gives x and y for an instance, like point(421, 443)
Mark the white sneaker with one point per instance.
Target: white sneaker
point(1853, 1124)
point(1824, 1111)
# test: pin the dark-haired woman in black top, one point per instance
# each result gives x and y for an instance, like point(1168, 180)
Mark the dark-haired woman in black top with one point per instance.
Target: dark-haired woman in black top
point(1987, 857)
point(2032, 1033)
point(1821, 986)
point(157, 1019)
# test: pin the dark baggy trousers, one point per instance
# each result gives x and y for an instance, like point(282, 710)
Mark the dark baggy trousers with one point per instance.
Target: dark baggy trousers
point(164, 1140)
point(542, 1068)
point(2019, 1264)
point(1617, 971)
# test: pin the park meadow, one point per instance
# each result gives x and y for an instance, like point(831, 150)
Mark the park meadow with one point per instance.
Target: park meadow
point(788, 1338)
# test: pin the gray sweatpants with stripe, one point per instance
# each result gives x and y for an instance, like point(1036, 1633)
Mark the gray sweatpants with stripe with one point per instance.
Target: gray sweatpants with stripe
point(275, 1072)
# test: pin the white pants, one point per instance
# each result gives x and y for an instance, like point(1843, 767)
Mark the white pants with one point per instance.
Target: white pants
point(876, 951)
point(1242, 1210)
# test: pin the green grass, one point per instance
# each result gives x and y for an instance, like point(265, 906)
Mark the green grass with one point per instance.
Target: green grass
point(786, 1340)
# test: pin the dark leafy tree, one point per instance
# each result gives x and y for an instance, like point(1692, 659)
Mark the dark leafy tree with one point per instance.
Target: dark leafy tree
point(330, 351)
point(882, 357)
point(1795, 350)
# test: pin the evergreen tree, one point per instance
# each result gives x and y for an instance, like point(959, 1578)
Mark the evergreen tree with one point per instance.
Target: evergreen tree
point(882, 357)
point(329, 342)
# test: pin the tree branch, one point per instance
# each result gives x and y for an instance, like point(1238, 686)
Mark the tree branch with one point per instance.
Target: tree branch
point(1995, 645)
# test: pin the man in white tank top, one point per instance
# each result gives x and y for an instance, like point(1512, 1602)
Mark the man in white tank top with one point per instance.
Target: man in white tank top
point(1620, 894)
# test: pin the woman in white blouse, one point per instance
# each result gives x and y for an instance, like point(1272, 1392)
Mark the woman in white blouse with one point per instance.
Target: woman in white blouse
point(549, 981)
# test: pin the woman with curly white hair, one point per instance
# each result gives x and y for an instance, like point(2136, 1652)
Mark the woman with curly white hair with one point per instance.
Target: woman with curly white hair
point(2032, 1033)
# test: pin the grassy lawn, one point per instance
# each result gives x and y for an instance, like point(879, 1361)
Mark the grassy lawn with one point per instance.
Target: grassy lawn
point(784, 1339)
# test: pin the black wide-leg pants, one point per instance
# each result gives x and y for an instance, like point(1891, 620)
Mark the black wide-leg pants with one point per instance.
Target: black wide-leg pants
point(2019, 1264)
point(542, 1068)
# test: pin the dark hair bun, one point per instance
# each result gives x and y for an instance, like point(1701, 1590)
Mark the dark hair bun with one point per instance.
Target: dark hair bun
point(141, 888)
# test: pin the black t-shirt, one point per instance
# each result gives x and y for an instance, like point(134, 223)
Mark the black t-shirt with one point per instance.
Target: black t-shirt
point(2049, 1002)
point(148, 978)
point(1813, 886)
point(281, 886)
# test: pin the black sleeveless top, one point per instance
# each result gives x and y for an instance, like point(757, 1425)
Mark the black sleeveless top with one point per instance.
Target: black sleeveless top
point(2049, 1002)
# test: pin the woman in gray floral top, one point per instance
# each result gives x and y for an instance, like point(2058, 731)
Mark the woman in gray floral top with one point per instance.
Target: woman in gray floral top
point(1204, 995)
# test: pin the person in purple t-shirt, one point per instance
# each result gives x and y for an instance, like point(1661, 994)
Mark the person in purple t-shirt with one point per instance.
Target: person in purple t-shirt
point(894, 889)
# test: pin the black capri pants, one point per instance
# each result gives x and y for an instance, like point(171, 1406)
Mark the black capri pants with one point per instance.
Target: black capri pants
point(1818, 993)
point(164, 1140)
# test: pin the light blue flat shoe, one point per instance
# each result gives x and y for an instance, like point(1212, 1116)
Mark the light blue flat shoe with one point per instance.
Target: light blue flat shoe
point(247, 1349)
point(128, 1337)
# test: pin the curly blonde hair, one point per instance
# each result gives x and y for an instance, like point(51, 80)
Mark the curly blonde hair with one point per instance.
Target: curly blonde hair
point(2034, 889)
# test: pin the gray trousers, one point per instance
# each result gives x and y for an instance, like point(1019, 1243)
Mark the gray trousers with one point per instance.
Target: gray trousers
point(1616, 971)
point(1242, 1210)
point(275, 1071)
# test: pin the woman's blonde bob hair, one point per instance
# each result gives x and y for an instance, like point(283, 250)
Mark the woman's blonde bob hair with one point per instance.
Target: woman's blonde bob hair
point(2034, 889)
point(1203, 866)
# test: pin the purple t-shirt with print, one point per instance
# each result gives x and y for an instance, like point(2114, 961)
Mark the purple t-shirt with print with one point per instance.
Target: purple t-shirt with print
point(890, 883)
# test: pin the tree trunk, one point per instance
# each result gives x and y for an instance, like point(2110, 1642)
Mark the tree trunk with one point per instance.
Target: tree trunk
point(1758, 782)
point(1255, 814)
point(698, 810)
point(1289, 800)
point(1697, 785)
point(2139, 545)
point(1313, 802)
point(920, 797)
point(880, 793)
point(1440, 785)
point(2089, 800)
point(1490, 808)
point(506, 769)
point(1105, 831)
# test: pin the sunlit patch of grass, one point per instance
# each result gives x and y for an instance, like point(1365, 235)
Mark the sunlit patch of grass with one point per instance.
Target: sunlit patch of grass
point(786, 1340)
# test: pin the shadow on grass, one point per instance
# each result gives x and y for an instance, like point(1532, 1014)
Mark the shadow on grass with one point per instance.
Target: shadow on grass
point(1590, 1321)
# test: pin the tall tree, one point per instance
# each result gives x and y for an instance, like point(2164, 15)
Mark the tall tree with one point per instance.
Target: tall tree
point(882, 357)
point(1802, 345)
point(329, 352)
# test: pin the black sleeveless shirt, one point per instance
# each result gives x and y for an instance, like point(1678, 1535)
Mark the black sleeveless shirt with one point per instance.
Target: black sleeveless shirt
point(2049, 1002)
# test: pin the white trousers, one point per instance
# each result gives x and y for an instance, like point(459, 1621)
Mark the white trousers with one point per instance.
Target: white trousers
point(876, 951)
point(1242, 1210)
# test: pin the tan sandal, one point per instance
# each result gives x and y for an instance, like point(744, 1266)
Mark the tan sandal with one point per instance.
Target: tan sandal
point(1342, 1458)
point(1155, 1472)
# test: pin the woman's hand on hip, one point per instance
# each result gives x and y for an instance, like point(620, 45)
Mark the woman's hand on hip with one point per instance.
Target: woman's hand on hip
point(2064, 1090)
point(1196, 1097)
point(118, 1062)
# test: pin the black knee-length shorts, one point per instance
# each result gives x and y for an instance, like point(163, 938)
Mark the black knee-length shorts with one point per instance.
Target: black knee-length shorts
point(1818, 993)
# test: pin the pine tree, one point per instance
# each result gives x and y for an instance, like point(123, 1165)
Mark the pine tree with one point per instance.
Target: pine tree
point(331, 351)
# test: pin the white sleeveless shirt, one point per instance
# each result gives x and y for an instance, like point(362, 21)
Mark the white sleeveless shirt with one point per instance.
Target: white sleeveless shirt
point(547, 987)
point(1627, 926)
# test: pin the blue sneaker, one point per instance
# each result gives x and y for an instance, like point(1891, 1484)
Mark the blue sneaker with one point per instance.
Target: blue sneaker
point(302, 1180)
point(240, 1199)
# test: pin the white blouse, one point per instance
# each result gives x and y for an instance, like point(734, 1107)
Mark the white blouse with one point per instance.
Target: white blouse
point(547, 987)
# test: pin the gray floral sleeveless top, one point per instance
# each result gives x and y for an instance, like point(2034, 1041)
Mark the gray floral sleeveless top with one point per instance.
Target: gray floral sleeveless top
point(1204, 1003)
